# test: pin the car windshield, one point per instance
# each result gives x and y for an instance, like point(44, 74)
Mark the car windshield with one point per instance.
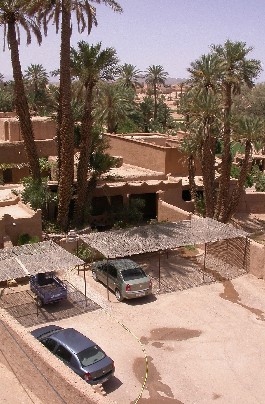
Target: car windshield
point(90, 355)
point(132, 273)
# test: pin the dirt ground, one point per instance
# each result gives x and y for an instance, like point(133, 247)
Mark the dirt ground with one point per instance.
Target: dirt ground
point(200, 343)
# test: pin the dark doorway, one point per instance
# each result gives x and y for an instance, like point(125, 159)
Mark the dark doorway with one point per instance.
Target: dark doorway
point(149, 210)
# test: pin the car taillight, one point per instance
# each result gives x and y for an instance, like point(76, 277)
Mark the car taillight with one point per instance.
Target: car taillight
point(113, 365)
point(87, 377)
point(128, 288)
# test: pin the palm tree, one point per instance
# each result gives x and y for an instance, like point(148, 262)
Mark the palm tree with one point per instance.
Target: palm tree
point(89, 64)
point(37, 80)
point(247, 130)
point(15, 13)
point(129, 76)
point(203, 104)
point(155, 76)
point(236, 71)
point(113, 105)
point(86, 17)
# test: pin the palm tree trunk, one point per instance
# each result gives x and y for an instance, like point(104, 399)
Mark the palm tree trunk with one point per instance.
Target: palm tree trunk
point(192, 184)
point(155, 99)
point(237, 192)
point(85, 151)
point(224, 180)
point(66, 130)
point(208, 172)
point(22, 107)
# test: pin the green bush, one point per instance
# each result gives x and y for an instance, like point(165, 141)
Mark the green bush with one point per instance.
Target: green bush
point(25, 238)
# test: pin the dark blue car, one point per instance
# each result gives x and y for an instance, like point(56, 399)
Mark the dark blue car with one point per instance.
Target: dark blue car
point(78, 352)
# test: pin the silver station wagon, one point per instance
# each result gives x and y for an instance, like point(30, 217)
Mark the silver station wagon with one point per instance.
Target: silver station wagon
point(124, 277)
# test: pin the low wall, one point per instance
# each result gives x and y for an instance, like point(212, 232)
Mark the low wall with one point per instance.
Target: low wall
point(15, 152)
point(167, 212)
point(257, 259)
point(252, 202)
point(14, 227)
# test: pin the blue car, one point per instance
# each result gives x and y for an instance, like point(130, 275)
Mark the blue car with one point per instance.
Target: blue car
point(78, 352)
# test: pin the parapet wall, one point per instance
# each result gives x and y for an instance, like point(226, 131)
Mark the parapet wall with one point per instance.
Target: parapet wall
point(15, 152)
point(43, 128)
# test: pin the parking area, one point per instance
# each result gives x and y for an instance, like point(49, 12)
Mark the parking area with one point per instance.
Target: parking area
point(198, 339)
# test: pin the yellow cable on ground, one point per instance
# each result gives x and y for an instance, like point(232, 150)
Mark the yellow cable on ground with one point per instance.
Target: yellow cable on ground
point(142, 348)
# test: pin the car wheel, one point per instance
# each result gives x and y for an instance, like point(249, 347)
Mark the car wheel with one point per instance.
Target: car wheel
point(118, 295)
point(95, 277)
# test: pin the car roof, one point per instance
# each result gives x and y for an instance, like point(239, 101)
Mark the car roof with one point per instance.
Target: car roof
point(73, 339)
point(120, 264)
point(69, 337)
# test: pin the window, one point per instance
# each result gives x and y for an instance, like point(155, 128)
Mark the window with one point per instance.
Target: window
point(90, 355)
point(49, 343)
point(112, 271)
point(63, 353)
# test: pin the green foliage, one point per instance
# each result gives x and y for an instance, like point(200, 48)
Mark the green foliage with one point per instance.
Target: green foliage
point(25, 238)
point(6, 97)
point(84, 253)
point(44, 164)
point(250, 180)
point(260, 183)
point(36, 193)
point(51, 227)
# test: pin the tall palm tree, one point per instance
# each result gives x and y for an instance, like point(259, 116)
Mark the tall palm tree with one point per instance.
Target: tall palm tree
point(237, 71)
point(86, 17)
point(89, 63)
point(36, 79)
point(203, 103)
point(129, 75)
point(155, 76)
point(13, 14)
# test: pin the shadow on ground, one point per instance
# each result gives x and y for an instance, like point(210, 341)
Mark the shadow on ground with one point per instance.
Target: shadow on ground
point(22, 306)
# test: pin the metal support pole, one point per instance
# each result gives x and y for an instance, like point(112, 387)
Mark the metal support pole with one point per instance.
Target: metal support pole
point(108, 278)
point(245, 255)
point(204, 260)
point(85, 283)
point(159, 268)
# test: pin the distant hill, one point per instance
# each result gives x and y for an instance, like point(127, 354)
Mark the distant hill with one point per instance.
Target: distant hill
point(172, 80)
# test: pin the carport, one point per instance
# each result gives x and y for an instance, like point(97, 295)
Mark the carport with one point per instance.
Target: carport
point(31, 259)
point(164, 237)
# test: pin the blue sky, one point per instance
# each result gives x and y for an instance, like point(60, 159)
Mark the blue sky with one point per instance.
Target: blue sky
point(172, 33)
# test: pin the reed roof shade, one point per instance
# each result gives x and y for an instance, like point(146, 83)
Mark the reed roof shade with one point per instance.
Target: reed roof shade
point(30, 259)
point(160, 237)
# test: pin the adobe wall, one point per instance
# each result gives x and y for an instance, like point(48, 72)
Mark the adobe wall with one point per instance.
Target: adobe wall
point(43, 128)
point(15, 152)
point(137, 153)
point(173, 196)
point(167, 212)
point(166, 159)
point(257, 259)
point(252, 202)
point(14, 227)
